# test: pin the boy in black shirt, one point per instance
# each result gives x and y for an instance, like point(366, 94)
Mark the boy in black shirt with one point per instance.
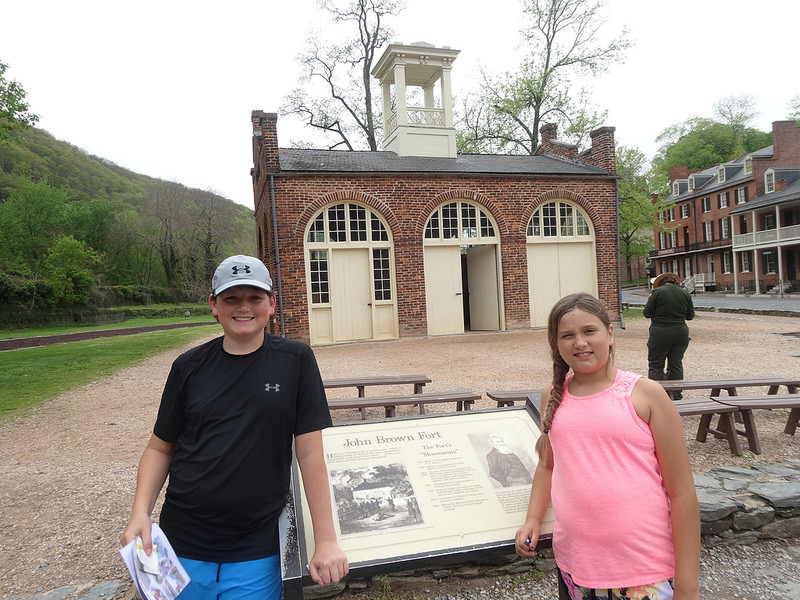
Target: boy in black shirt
point(228, 415)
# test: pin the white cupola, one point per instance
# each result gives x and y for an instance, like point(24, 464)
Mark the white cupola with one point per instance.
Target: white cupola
point(417, 130)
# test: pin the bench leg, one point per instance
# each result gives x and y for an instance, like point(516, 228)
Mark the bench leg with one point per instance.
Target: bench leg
point(750, 431)
point(389, 411)
point(703, 428)
point(727, 426)
point(793, 421)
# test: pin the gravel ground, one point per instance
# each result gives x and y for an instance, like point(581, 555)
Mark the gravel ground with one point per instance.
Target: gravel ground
point(68, 470)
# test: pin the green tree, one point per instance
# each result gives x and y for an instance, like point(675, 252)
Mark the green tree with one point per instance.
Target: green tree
point(70, 267)
point(15, 113)
point(563, 37)
point(700, 143)
point(794, 107)
point(337, 95)
point(638, 210)
point(30, 220)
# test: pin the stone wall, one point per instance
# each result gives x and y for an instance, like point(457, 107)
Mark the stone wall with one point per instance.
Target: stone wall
point(740, 506)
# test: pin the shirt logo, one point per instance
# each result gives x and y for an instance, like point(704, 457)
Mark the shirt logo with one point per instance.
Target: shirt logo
point(243, 268)
point(272, 387)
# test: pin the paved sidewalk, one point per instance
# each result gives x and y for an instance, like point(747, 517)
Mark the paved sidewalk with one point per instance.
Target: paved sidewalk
point(789, 304)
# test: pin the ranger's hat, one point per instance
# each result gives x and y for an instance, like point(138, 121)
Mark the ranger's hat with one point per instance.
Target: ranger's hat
point(241, 270)
point(666, 278)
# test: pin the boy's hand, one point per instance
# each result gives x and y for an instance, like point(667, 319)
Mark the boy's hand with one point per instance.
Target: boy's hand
point(329, 564)
point(138, 526)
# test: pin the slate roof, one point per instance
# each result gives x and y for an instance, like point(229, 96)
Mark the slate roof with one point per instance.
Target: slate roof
point(788, 194)
point(336, 161)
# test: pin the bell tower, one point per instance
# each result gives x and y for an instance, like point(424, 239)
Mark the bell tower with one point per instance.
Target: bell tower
point(425, 130)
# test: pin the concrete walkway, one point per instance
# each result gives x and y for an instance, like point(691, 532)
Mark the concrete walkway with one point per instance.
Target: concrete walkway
point(788, 305)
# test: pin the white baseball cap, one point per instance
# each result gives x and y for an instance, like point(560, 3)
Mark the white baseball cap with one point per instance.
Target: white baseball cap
point(241, 270)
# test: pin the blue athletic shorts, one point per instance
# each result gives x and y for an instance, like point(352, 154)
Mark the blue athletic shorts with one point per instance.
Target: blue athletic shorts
point(247, 580)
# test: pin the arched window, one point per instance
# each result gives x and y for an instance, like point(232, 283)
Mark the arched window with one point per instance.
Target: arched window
point(461, 221)
point(558, 220)
point(348, 225)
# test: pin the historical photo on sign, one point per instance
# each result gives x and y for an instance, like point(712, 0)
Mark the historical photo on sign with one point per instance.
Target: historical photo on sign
point(374, 498)
point(436, 483)
point(507, 461)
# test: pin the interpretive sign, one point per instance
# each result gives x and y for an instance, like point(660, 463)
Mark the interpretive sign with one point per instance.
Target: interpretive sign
point(429, 489)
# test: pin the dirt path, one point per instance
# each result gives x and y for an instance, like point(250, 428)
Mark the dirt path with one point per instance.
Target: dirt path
point(68, 469)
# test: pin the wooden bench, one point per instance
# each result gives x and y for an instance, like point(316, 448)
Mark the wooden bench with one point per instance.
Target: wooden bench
point(360, 383)
point(768, 402)
point(463, 399)
point(731, 385)
point(726, 427)
point(509, 397)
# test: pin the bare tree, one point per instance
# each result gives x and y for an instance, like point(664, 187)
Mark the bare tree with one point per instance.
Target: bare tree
point(337, 98)
point(564, 41)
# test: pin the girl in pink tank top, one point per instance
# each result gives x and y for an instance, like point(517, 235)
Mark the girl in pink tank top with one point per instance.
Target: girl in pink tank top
point(613, 463)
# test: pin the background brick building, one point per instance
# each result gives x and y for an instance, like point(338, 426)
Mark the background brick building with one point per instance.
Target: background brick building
point(418, 240)
point(736, 226)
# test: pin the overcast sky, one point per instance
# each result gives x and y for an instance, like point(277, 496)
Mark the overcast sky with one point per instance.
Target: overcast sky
point(165, 88)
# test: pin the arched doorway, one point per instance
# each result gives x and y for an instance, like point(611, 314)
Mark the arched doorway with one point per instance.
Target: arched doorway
point(462, 270)
point(561, 257)
point(350, 275)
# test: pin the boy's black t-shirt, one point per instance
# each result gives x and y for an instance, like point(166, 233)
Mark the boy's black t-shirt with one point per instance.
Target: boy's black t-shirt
point(232, 419)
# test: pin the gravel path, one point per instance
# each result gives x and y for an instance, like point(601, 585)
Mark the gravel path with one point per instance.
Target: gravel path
point(68, 469)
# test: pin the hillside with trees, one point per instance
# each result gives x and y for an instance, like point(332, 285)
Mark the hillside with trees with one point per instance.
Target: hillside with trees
point(80, 233)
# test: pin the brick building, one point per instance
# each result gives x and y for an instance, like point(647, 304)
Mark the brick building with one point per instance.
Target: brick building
point(419, 240)
point(736, 226)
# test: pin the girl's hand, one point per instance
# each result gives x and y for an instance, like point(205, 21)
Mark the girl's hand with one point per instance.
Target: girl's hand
point(525, 540)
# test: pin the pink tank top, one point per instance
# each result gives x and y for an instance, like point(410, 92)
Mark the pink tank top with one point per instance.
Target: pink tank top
point(612, 518)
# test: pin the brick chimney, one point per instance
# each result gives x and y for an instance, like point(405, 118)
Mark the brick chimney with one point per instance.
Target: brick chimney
point(604, 153)
point(678, 172)
point(550, 145)
point(265, 141)
point(786, 143)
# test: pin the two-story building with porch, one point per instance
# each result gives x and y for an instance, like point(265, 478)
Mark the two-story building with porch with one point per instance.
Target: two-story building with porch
point(716, 235)
point(417, 239)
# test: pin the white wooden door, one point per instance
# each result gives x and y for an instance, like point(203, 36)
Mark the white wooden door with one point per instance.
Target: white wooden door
point(351, 303)
point(443, 293)
point(556, 270)
point(484, 306)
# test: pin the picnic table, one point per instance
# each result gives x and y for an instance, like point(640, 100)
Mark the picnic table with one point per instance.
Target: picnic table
point(733, 407)
point(361, 383)
point(509, 397)
point(463, 400)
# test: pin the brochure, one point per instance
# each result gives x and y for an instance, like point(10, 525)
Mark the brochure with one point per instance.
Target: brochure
point(159, 576)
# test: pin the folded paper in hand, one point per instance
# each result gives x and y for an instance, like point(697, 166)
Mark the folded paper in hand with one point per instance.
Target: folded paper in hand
point(159, 576)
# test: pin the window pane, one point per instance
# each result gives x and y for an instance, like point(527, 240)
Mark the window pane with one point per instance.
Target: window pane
point(358, 223)
point(450, 221)
point(549, 221)
point(469, 221)
point(316, 232)
point(582, 225)
point(380, 270)
point(320, 293)
point(337, 223)
point(487, 230)
point(432, 228)
point(379, 233)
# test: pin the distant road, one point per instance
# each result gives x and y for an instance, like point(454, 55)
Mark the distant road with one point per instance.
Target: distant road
point(46, 340)
point(763, 303)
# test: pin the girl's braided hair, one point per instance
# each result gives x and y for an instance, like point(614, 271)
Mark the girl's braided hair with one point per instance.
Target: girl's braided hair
point(586, 303)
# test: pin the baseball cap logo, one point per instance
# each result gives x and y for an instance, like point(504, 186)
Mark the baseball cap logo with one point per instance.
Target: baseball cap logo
point(241, 268)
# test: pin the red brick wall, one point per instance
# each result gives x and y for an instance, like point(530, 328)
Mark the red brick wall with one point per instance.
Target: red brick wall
point(406, 202)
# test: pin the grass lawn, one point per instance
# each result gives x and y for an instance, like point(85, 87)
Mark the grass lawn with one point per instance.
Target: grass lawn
point(32, 375)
